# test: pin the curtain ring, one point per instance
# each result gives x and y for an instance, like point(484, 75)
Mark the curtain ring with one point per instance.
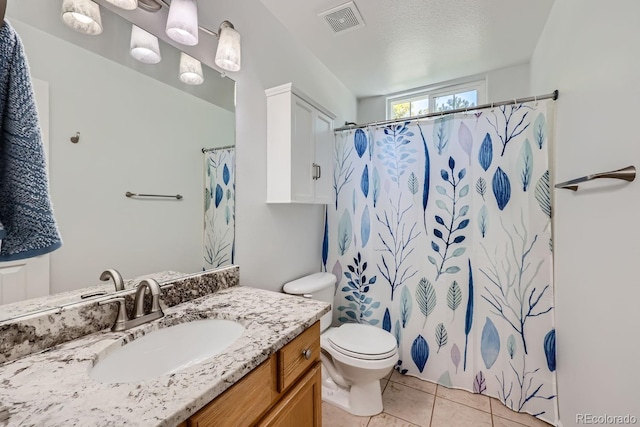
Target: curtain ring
point(535, 99)
point(492, 107)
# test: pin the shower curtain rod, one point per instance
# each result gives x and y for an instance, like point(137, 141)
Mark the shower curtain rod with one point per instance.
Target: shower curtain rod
point(206, 150)
point(553, 95)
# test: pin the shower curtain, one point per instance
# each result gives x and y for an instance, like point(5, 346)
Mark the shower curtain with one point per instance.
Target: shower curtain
point(219, 208)
point(441, 234)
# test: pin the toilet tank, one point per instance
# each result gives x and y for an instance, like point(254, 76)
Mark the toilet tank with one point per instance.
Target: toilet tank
point(317, 286)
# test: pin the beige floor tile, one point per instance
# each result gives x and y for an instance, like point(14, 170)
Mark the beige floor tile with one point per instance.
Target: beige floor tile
point(389, 374)
point(503, 422)
point(413, 382)
point(408, 403)
point(447, 413)
point(386, 420)
point(383, 384)
point(474, 400)
point(336, 417)
point(498, 409)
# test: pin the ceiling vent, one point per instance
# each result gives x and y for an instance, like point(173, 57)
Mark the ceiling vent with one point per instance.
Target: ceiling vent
point(343, 18)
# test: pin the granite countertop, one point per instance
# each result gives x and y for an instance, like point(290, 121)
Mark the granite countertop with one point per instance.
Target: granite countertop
point(53, 388)
point(52, 302)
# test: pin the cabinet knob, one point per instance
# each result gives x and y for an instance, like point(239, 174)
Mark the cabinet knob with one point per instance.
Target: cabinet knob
point(307, 353)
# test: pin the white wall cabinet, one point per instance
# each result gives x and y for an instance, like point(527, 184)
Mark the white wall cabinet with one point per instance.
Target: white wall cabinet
point(299, 148)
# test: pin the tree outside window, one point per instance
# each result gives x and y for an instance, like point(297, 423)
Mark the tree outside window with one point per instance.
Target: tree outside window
point(455, 97)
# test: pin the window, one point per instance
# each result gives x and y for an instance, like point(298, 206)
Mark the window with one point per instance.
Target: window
point(433, 101)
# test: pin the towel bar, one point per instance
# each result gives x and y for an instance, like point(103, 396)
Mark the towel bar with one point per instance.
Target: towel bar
point(130, 194)
point(627, 174)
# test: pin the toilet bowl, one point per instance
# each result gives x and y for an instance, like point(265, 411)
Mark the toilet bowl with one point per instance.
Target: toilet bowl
point(354, 356)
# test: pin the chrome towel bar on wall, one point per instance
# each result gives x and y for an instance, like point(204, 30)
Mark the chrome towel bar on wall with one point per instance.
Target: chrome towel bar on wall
point(627, 174)
point(130, 194)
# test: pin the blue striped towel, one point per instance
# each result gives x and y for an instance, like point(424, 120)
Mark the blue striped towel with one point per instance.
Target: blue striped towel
point(27, 225)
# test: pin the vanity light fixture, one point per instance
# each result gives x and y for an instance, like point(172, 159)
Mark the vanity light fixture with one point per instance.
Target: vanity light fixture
point(124, 4)
point(228, 54)
point(144, 46)
point(190, 70)
point(82, 16)
point(182, 22)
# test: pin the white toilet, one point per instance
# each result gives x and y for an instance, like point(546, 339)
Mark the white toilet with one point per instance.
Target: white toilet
point(354, 356)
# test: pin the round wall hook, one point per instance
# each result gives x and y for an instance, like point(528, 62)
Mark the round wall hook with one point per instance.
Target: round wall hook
point(75, 138)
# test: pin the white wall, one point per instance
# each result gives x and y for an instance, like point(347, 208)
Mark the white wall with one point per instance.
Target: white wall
point(138, 135)
point(274, 243)
point(502, 84)
point(508, 83)
point(589, 52)
point(371, 109)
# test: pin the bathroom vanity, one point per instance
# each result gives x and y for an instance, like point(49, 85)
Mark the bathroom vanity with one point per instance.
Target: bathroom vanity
point(269, 376)
point(285, 390)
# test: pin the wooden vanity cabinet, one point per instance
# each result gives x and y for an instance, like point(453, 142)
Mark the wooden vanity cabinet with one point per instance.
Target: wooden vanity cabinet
point(284, 391)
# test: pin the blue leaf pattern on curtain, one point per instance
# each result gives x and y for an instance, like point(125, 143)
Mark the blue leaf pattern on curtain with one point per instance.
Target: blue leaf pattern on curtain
point(425, 187)
point(550, 349)
point(455, 226)
point(406, 306)
point(468, 319)
point(420, 352)
point(386, 321)
point(525, 164)
point(360, 142)
point(325, 242)
point(489, 344)
point(501, 188)
point(219, 208)
point(365, 227)
point(540, 130)
point(485, 156)
point(364, 182)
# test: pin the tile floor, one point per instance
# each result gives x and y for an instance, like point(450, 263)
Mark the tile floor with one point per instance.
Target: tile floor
point(410, 402)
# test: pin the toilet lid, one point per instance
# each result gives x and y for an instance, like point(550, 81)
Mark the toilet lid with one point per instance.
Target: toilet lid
point(363, 341)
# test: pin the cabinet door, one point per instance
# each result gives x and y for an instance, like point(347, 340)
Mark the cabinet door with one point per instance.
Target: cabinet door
point(243, 403)
point(301, 406)
point(302, 152)
point(324, 141)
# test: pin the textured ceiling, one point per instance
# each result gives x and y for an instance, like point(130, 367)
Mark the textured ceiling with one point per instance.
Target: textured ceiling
point(412, 43)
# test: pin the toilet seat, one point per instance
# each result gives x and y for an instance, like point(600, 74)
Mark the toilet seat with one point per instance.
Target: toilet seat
point(364, 342)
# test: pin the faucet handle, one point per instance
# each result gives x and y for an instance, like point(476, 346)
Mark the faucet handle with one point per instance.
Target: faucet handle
point(114, 275)
point(121, 318)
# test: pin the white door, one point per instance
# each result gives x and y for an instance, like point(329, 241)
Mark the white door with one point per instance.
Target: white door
point(323, 156)
point(29, 278)
point(302, 155)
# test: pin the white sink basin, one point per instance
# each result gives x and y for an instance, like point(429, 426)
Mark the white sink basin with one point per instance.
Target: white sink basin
point(167, 351)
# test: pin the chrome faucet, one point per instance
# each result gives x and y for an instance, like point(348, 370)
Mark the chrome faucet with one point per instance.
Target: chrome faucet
point(138, 316)
point(115, 276)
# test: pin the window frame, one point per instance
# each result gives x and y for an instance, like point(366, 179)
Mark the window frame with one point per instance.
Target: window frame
point(411, 96)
